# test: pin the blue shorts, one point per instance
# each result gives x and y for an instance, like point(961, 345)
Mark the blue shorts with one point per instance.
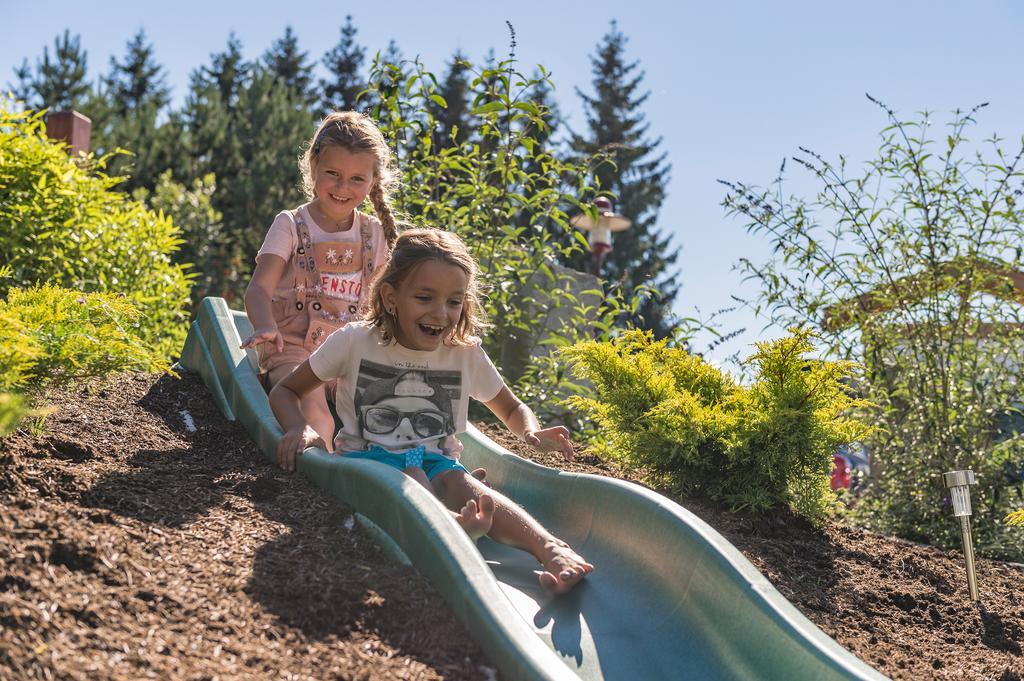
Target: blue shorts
point(432, 464)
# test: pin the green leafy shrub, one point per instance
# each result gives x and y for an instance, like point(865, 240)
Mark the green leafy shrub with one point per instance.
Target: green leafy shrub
point(204, 244)
point(692, 427)
point(51, 336)
point(910, 264)
point(498, 182)
point(13, 408)
point(61, 222)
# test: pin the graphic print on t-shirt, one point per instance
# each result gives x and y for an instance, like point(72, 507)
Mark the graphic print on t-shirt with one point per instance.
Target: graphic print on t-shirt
point(340, 266)
point(399, 408)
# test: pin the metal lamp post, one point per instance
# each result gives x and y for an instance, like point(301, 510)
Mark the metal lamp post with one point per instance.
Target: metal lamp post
point(608, 221)
point(958, 483)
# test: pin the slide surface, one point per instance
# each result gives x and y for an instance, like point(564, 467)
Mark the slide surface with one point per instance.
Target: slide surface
point(670, 598)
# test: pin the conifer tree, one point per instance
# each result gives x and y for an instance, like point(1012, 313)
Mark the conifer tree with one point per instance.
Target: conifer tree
point(126, 111)
point(228, 72)
point(21, 88)
point(58, 83)
point(209, 113)
point(137, 81)
point(343, 63)
point(290, 67)
point(637, 178)
point(247, 131)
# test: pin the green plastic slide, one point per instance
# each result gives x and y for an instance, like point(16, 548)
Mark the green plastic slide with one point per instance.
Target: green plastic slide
point(669, 598)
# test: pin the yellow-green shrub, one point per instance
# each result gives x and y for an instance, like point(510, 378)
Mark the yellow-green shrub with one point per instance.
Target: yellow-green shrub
point(694, 428)
point(51, 336)
point(61, 222)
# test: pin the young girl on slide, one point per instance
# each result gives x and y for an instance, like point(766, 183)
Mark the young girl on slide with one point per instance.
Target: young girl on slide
point(405, 376)
point(317, 261)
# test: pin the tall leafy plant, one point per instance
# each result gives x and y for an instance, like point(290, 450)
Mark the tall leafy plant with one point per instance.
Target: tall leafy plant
point(912, 264)
point(485, 186)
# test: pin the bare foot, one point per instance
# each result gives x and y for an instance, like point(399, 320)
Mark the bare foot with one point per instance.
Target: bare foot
point(476, 520)
point(563, 567)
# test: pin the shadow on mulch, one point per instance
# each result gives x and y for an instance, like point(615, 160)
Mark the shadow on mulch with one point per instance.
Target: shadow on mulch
point(322, 576)
point(161, 487)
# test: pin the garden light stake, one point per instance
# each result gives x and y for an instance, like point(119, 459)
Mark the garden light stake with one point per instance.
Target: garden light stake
point(958, 483)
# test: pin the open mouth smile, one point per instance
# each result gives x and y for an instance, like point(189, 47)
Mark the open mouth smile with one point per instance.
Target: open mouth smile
point(431, 330)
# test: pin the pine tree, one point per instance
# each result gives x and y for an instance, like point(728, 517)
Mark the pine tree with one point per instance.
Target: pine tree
point(126, 113)
point(21, 88)
point(247, 131)
point(343, 63)
point(637, 178)
point(59, 83)
point(228, 72)
point(137, 81)
point(209, 114)
point(276, 126)
point(290, 67)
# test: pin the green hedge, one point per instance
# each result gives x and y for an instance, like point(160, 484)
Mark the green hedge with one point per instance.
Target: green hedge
point(62, 223)
point(692, 427)
point(50, 336)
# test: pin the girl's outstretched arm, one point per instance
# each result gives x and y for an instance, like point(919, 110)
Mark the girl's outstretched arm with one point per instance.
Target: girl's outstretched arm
point(285, 400)
point(521, 420)
point(258, 296)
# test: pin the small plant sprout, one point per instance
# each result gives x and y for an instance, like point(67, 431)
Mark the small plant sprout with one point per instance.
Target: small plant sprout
point(958, 483)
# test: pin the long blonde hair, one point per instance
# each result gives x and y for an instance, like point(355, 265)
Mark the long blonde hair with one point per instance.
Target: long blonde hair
point(413, 247)
point(357, 134)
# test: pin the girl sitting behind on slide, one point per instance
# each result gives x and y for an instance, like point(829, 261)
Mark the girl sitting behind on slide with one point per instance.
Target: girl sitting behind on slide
point(404, 377)
point(317, 260)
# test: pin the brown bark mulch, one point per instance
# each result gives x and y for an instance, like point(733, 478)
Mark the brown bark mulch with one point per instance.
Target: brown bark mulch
point(901, 607)
point(132, 547)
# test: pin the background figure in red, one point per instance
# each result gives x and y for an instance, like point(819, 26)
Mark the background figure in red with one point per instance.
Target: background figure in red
point(608, 221)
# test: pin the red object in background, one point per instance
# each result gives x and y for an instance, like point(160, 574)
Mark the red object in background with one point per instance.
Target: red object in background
point(840, 473)
point(600, 251)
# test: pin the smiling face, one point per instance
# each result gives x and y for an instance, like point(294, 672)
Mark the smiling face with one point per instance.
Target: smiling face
point(428, 303)
point(341, 181)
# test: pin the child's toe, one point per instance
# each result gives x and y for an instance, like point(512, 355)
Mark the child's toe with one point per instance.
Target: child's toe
point(487, 505)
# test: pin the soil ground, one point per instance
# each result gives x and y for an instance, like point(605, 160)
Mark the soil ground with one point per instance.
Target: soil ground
point(143, 536)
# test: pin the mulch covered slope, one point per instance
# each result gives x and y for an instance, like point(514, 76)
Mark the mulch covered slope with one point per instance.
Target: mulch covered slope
point(132, 548)
point(901, 607)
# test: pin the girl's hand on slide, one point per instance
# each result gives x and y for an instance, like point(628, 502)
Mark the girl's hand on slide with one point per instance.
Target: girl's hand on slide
point(264, 335)
point(550, 440)
point(294, 442)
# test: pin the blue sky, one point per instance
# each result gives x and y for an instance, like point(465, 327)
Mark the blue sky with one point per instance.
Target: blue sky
point(735, 86)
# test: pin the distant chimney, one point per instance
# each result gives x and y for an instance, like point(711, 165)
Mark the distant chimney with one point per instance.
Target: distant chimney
point(71, 127)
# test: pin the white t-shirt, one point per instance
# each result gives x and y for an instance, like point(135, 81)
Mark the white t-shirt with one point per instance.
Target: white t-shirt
point(398, 398)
